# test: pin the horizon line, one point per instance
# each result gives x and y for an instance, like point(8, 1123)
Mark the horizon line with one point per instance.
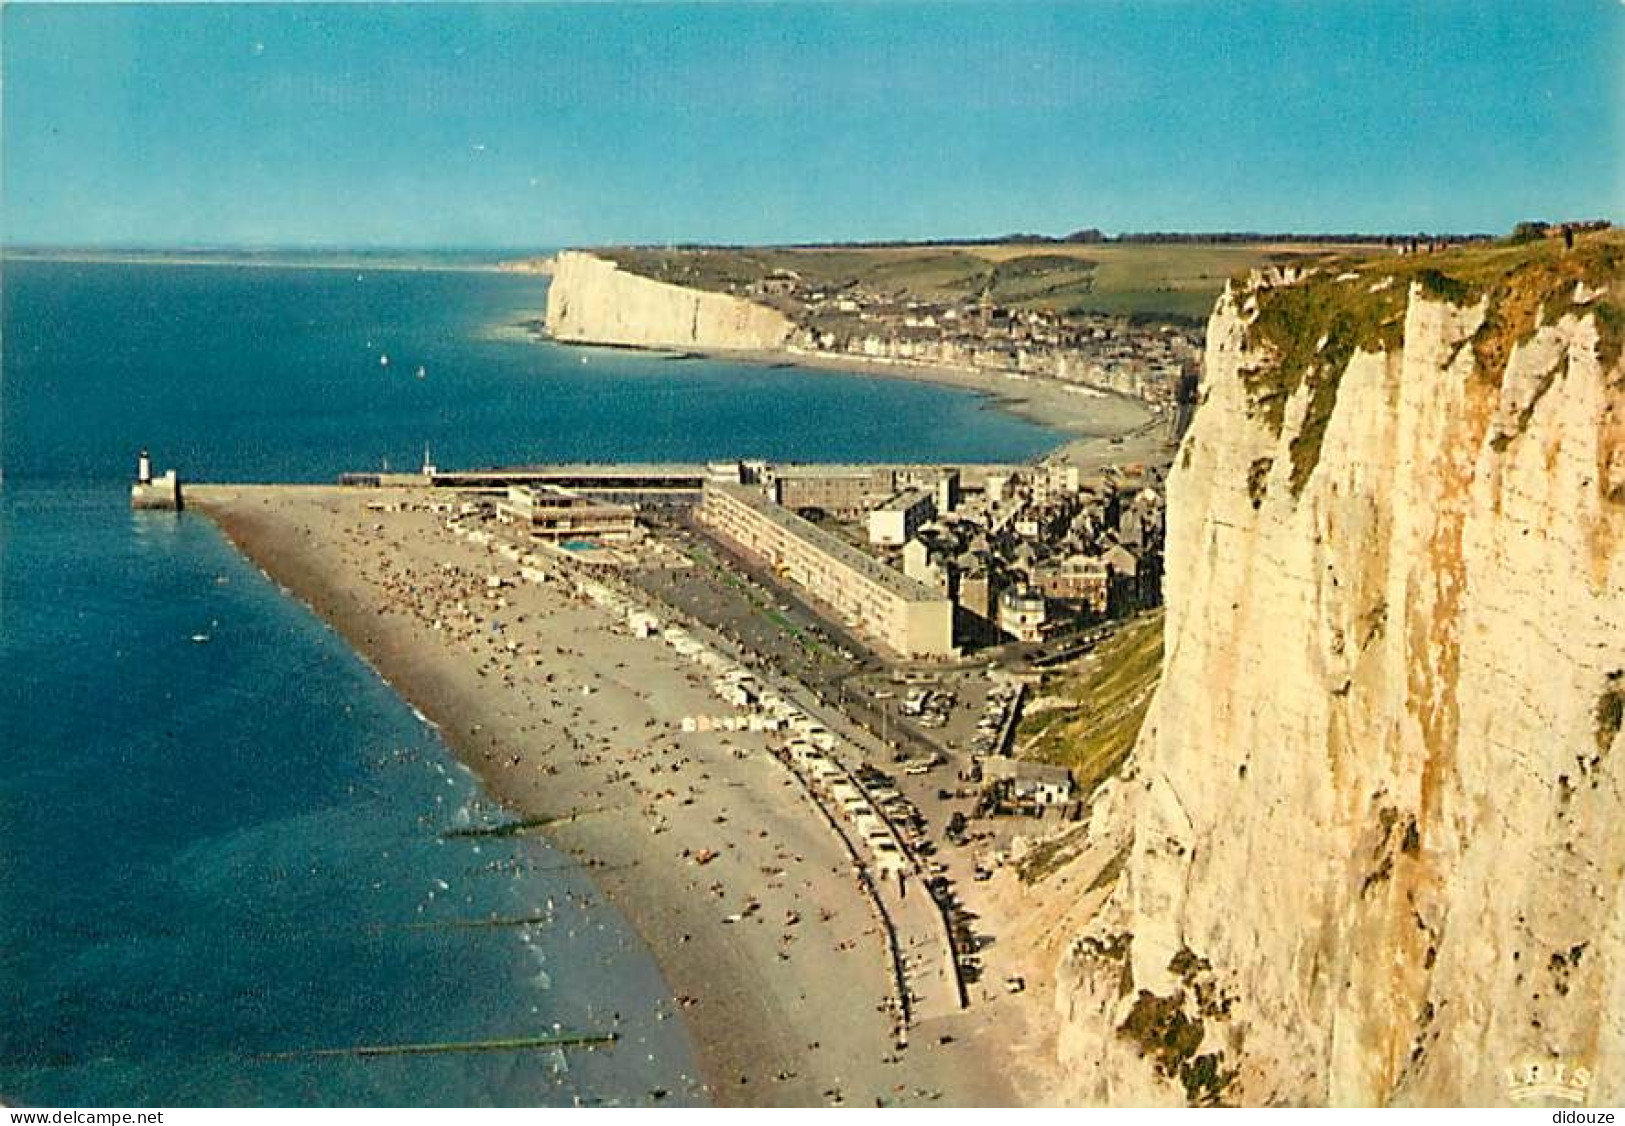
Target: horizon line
point(1089, 237)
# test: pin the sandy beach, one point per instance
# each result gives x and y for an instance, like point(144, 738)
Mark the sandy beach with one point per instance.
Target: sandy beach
point(703, 840)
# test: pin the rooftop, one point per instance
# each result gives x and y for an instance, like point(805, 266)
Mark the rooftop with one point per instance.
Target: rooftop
point(794, 472)
point(903, 501)
point(1018, 770)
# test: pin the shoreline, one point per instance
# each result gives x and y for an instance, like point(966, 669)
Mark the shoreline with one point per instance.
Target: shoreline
point(753, 1000)
point(1093, 426)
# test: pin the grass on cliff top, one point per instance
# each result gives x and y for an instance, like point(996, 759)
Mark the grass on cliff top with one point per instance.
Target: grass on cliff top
point(1184, 280)
point(1155, 282)
point(935, 273)
point(1112, 686)
point(1312, 329)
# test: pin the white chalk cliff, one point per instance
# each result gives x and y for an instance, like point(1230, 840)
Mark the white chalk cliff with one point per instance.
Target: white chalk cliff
point(1375, 821)
point(591, 300)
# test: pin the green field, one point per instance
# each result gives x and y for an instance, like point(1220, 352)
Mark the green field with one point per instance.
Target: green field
point(1148, 280)
point(1156, 282)
point(1153, 281)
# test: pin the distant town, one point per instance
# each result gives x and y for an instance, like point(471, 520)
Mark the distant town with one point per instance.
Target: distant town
point(925, 310)
point(1149, 362)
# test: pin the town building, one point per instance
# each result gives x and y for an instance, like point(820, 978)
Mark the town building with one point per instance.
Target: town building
point(1031, 787)
point(893, 522)
point(929, 564)
point(1083, 581)
point(1127, 582)
point(976, 588)
point(844, 491)
point(1055, 480)
point(900, 613)
point(1000, 487)
point(1022, 613)
point(555, 513)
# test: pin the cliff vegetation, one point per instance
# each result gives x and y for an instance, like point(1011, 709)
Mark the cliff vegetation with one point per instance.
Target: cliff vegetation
point(1311, 329)
point(1111, 689)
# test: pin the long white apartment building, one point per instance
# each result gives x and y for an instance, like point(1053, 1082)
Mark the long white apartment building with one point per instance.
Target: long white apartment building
point(901, 613)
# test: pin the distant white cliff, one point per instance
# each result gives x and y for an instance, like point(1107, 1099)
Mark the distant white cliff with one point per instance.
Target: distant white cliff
point(592, 301)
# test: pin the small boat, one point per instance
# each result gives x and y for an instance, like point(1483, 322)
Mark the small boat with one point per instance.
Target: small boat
point(383, 361)
point(422, 372)
point(200, 638)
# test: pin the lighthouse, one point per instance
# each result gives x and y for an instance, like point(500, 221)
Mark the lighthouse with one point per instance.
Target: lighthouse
point(154, 492)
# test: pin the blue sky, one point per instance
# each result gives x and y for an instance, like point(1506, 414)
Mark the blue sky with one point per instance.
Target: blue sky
point(545, 125)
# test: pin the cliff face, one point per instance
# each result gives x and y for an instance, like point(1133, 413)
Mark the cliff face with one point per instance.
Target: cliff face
point(591, 301)
point(1375, 820)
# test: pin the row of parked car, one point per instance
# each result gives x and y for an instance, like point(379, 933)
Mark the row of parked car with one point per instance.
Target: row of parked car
point(928, 707)
point(1001, 699)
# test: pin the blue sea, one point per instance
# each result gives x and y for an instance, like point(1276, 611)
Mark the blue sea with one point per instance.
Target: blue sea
point(218, 858)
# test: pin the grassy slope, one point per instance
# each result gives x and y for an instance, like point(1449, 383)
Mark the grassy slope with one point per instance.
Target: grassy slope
point(1179, 281)
point(1112, 686)
point(1149, 279)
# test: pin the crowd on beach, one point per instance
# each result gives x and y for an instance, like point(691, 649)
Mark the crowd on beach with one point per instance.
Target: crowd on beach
point(584, 725)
